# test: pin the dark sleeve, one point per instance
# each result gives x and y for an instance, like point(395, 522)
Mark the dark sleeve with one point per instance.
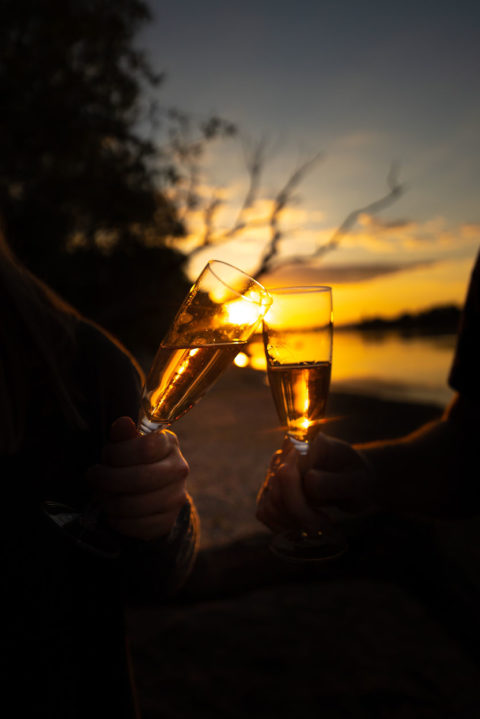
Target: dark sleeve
point(111, 377)
point(463, 414)
point(465, 372)
point(149, 570)
point(155, 570)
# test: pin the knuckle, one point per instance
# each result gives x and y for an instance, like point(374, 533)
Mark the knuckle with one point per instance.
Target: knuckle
point(170, 437)
point(184, 469)
point(177, 465)
point(180, 498)
point(150, 447)
point(155, 446)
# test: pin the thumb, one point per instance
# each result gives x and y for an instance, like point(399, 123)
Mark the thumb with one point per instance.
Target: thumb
point(122, 429)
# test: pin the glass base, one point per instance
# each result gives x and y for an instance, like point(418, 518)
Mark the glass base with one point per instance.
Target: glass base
point(303, 546)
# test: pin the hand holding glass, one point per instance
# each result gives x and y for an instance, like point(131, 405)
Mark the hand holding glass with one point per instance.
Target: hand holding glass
point(298, 337)
point(222, 310)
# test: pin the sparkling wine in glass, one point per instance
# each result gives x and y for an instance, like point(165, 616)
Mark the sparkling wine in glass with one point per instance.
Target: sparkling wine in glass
point(298, 339)
point(223, 309)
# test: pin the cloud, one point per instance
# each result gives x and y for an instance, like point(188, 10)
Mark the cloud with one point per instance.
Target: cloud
point(379, 245)
point(470, 231)
point(378, 235)
point(377, 224)
point(341, 274)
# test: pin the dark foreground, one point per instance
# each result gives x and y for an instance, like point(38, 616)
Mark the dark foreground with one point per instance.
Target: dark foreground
point(388, 631)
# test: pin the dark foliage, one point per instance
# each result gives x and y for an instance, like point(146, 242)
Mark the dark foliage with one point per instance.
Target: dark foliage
point(79, 185)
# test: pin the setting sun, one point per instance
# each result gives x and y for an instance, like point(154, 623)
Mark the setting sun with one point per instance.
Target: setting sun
point(241, 312)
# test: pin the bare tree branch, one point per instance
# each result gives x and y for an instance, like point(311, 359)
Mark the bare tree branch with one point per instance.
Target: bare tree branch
point(184, 150)
point(281, 201)
point(209, 216)
point(254, 161)
point(395, 190)
point(187, 150)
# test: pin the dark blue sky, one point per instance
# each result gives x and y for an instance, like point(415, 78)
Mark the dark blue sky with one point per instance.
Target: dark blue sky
point(315, 73)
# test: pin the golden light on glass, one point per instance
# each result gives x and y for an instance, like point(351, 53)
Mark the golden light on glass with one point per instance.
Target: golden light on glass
point(298, 348)
point(240, 312)
point(216, 319)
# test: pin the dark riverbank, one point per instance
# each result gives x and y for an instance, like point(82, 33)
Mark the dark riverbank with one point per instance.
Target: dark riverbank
point(389, 631)
point(440, 320)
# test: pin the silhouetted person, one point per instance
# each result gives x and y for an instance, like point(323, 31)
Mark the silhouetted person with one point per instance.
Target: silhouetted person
point(434, 470)
point(67, 395)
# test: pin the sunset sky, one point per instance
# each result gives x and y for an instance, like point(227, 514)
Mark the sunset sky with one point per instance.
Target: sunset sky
point(367, 84)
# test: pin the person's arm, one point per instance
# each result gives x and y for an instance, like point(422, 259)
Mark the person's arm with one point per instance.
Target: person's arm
point(159, 542)
point(433, 470)
point(140, 486)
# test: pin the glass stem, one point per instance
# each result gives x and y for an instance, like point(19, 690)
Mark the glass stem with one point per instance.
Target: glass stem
point(301, 447)
point(146, 426)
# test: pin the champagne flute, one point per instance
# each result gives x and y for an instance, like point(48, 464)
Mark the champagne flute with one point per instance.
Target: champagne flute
point(214, 323)
point(298, 339)
point(223, 308)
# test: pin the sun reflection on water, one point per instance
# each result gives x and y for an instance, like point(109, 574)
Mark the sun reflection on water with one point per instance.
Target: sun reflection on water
point(388, 364)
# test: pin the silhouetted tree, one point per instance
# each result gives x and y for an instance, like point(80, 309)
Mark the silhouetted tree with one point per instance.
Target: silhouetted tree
point(81, 196)
point(86, 199)
point(270, 254)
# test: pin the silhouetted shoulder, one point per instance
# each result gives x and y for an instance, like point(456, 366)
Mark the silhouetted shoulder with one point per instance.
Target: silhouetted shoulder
point(465, 375)
point(110, 373)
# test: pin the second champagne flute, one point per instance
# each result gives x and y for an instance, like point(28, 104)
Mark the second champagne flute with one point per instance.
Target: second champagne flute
point(298, 338)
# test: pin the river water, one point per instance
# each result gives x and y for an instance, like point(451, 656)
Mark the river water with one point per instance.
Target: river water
point(388, 365)
point(393, 365)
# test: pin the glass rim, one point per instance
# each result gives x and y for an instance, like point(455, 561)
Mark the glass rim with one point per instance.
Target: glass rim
point(300, 289)
point(262, 289)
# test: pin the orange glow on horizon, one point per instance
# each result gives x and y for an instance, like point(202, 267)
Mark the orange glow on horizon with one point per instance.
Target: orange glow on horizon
point(391, 295)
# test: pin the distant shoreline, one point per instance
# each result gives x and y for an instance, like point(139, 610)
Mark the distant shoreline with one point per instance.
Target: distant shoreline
point(437, 320)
